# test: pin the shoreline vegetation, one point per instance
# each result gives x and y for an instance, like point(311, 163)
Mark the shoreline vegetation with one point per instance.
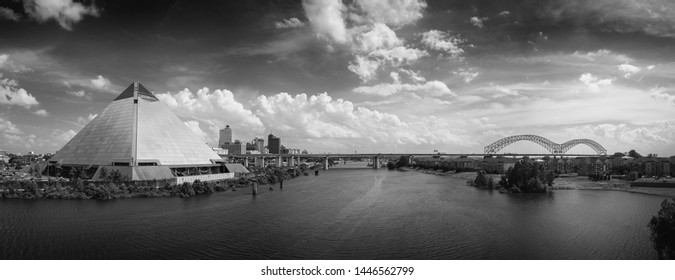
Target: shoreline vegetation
point(567, 182)
point(116, 189)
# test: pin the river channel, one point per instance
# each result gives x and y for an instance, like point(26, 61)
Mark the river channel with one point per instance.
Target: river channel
point(344, 213)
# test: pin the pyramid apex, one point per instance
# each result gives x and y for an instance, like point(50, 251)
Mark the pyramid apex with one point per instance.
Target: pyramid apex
point(134, 90)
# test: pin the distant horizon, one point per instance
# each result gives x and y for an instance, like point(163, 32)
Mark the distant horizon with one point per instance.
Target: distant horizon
point(339, 77)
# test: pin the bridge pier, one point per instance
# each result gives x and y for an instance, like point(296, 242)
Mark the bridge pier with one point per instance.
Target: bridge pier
point(376, 162)
point(325, 163)
point(280, 161)
point(245, 162)
point(291, 161)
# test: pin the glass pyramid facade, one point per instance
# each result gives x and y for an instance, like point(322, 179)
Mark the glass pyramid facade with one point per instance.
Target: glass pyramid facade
point(136, 129)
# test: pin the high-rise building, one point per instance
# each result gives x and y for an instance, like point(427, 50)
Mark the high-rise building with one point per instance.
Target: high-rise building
point(259, 144)
point(225, 136)
point(274, 144)
point(236, 148)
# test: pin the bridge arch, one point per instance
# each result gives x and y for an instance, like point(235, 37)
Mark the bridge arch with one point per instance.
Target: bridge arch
point(549, 145)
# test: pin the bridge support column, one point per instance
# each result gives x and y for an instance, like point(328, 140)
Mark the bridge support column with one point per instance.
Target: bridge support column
point(258, 162)
point(325, 164)
point(245, 162)
point(376, 162)
point(291, 161)
point(280, 161)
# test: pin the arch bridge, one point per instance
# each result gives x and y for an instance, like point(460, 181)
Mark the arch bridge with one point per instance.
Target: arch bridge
point(549, 145)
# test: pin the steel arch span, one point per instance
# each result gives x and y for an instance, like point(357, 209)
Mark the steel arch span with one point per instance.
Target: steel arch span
point(549, 145)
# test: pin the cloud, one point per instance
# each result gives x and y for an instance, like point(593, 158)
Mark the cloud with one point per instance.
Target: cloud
point(322, 117)
point(288, 23)
point(85, 121)
point(42, 113)
point(62, 136)
point(194, 126)
point(78, 93)
point(653, 17)
point(214, 109)
point(11, 66)
point(365, 68)
point(377, 46)
point(442, 41)
point(7, 127)
point(629, 69)
point(660, 93)
point(8, 14)
point(100, 82)
point(325, 16)
point(395, 13)
point(624, 136)
point(11, 94)
point(477, 22)
point(363, 30)
point(467, 74)
point(431, 88)
point(593, 83)
point(65, 12)
point(504, 13)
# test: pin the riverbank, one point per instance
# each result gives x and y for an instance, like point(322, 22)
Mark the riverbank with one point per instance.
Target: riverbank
point(565, 182)
point(79, 189)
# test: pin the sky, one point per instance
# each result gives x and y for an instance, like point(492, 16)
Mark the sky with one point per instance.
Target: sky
point(343, 76)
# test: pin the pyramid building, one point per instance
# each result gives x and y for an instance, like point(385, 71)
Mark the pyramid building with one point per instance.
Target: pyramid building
point(138, 136)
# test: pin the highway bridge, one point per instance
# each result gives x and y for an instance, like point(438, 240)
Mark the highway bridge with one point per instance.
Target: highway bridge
point(555, 149)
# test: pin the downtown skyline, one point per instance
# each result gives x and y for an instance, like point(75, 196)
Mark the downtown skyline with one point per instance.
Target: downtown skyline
point(333, 76)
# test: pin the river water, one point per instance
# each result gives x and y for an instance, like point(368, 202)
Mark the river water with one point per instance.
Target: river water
point(340, 214)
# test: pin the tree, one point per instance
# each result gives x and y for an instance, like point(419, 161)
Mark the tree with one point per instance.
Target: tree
point(103, 174)
point(634, 154)
point(619, 154)
point(481, 180)
point(663, 230)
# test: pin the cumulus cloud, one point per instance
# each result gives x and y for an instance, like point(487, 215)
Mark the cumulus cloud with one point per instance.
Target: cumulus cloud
point(364, 29)
point(442, 41)
point(100, 82)
point(9, 14)
point(214, 109)
point(377, 45)
point(660, 93)
point(593, 83)
point(326, 19)
point(395, 13)
point(320, 116)
point(65, 12)
point(477, 22)
point(12, 94)
point(628, 69)
point(431, 88)
point(42, 113)
point(288, 23)
point(504, 13)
